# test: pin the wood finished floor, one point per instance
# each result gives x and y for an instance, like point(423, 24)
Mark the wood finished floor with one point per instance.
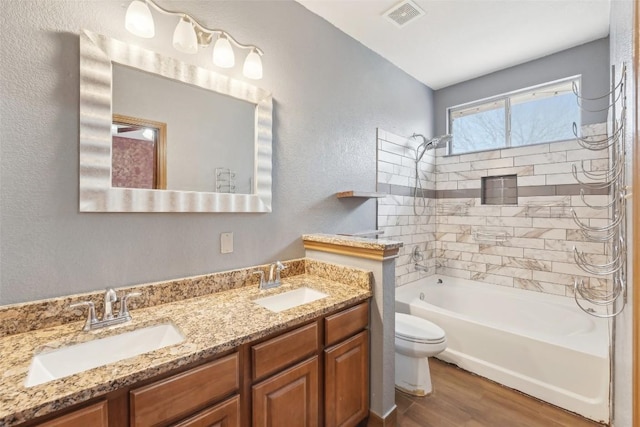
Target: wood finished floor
point(461, 399)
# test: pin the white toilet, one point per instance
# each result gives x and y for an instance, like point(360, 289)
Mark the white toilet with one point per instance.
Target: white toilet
point(416, 340)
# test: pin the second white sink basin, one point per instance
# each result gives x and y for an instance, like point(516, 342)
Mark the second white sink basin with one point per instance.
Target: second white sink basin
point(290, 299)
point(62, 362)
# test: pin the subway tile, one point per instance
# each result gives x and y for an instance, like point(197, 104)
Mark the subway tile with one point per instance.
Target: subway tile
point(525, 151)
point(585, 212)
point(509, 271)
point(462, 274)
point(400, 150)
point(518, 170)
point(521, 242)
point(564, 178)
point(568, 245)
point(548, 255)
point(464, 265)
point(567, 223)
point(465, 175)
point(501, 250)
point(446, 185)
point(510, 221)
point(559, 278)
point(453, 167)
point(539, 286)
point(454, 228)
point(464, 247)
point(482, 155)
point(385, 156)
point(492, 278)
point(552, 168)
point(567, 268)
point(537, 159)
point(465, 220)
point(531, 264)
point(565, 145)
point(600, 164)
point(492, 164)
point(446, 160)
point(471, 183)
point(472, 193)
point(486, 258)
point(540, 233)
point(585, 154)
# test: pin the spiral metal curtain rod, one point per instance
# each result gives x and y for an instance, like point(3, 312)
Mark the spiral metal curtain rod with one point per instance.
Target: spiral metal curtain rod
point(189, 34)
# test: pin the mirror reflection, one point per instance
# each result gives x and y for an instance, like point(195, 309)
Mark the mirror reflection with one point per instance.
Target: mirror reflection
point(138, 149)
point(209, 137)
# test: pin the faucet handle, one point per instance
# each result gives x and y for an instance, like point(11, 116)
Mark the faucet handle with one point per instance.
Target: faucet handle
point(261, 274)
point(279, 267)
point(124, 310)
point(91, 315)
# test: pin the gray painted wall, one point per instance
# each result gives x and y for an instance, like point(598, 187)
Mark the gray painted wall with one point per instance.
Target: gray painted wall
point(590, 59)
point(622, 52)
point(330, 94)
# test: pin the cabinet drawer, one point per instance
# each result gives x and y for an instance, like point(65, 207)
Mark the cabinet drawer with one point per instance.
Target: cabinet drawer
point(94, 415)
point(277, 353)
point(185, 393)
point(225, 414)
point(346, 323)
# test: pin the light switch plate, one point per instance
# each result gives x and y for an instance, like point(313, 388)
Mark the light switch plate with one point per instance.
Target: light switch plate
point(226, 243)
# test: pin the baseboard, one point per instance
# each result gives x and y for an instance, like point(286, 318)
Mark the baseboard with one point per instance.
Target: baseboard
point(391, 420)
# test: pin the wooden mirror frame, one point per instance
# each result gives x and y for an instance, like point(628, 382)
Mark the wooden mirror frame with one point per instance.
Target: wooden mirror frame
point(96, 193)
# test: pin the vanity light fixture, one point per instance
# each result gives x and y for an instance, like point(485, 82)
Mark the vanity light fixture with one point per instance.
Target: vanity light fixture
point(189, 34)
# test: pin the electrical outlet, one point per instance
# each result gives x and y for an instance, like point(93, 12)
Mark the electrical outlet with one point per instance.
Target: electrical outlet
point(226, 243)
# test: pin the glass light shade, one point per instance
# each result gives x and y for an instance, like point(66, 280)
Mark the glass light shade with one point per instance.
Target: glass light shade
point(223, 53)
point(253, 66)
point(184, 37)
point(138, 20)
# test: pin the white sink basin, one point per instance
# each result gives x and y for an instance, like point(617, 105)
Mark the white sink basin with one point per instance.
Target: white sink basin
point(62, 362)
point(290, 299)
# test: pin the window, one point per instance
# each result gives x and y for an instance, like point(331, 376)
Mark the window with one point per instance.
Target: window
point(535, 115)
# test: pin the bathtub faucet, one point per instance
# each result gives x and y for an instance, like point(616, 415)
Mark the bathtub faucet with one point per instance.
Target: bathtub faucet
point(420, 267)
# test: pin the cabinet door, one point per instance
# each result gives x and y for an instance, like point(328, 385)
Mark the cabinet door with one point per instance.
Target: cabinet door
point(94, 416)
point(225, 414)
point(289, 398)
point(347, 381)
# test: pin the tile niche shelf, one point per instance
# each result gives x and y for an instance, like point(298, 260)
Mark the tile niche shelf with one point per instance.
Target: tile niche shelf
point(360, 194)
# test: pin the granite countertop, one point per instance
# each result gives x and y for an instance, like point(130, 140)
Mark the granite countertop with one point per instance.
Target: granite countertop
point(353, 241)
point(212, 324)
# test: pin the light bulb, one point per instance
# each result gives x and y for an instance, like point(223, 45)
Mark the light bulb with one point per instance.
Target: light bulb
point(223, 53)
point(253, 66)
point(138, 20)
point(184, 37)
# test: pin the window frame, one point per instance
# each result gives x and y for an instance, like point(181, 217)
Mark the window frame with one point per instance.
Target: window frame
point(506, 97)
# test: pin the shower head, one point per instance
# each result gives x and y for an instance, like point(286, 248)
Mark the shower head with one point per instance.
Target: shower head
point(435, 142)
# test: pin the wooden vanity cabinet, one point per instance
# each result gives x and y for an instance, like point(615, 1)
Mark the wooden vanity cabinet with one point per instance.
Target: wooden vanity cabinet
point(312, 375)
point(93, 415)
point(346, 367)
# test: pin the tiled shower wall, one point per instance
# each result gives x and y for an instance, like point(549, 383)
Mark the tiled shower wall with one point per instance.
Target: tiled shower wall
point(396, 217)
point(528, 245)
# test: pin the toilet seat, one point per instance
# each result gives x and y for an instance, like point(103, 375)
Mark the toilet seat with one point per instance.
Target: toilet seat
point(418, 330)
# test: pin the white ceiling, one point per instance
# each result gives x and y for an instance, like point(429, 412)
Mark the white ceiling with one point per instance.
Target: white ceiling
point(457, 40)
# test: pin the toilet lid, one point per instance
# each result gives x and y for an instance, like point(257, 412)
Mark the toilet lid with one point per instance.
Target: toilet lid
point(414, 328)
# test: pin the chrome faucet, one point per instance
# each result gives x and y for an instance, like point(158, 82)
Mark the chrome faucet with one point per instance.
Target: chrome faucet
point(274, 275)
point(108, 318)
point(110, 297)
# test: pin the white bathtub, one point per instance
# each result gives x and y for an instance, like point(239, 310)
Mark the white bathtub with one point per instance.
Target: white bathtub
point(540, 344)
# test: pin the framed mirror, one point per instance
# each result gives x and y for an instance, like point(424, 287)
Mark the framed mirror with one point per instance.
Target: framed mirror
point(218, 154)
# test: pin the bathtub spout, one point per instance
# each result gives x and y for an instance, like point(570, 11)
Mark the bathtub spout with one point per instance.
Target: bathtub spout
point(420, 267)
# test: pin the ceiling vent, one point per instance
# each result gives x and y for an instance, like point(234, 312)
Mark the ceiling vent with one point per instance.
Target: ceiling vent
point(403, 13)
